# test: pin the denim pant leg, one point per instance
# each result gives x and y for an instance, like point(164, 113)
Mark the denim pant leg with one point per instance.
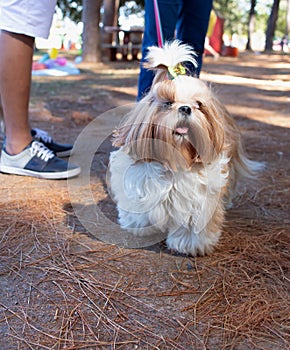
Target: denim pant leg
point(190, 19)
point(192, 26)
point(169, 11)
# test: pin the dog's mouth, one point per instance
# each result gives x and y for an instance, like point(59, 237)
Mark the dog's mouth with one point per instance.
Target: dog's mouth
point(181, 130)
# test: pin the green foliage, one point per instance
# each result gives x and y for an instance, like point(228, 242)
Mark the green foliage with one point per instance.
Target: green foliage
point(71, 9)
point(236, 15)
point(235, 18)
point(131, 7)
point(281, 27)
point(138, 2)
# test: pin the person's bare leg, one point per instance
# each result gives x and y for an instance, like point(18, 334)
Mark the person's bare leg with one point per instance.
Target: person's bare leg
point(15, 82)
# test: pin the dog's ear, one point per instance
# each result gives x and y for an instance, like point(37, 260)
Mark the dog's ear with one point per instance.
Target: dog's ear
point(215, 114)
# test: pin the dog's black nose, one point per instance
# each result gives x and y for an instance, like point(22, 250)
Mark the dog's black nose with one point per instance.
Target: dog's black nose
point(185, 110)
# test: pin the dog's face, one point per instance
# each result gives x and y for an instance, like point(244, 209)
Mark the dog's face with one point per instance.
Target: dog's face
point(178, 124)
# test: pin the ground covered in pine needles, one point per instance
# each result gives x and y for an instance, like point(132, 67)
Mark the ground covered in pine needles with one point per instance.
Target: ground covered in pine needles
point(63, 288)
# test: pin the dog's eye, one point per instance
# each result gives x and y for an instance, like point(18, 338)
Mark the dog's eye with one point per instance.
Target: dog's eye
point(198, 105)
point(167, 104)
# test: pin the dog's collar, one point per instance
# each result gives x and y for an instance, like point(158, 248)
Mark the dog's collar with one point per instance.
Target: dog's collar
point(174, 72)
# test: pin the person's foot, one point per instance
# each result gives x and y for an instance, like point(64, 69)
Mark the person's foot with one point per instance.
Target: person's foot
point(60, 150)
point(38, 161)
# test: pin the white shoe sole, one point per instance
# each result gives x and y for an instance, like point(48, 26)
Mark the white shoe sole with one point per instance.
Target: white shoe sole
point(41, 175)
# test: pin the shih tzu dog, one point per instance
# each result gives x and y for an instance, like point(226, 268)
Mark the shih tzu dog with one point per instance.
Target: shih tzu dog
point(179, 159)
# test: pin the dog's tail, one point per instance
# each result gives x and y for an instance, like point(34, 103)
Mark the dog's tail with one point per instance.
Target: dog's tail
point(245, 167)
point(241, 167)
point(171, 60)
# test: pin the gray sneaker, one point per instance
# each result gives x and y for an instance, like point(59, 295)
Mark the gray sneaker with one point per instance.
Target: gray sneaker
point(38, 161)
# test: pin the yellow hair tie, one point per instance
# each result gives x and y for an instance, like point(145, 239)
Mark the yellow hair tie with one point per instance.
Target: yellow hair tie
point(175, 71)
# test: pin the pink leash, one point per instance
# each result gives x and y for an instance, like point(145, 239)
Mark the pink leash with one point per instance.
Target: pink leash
point(158, 24)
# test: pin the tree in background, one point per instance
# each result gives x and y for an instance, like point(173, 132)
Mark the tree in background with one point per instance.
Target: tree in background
point(91, 33)
point(110, 15)
point(251, 24)
point(270, 32)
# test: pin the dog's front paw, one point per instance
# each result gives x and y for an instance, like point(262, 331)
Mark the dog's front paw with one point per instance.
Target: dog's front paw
point(192, 244)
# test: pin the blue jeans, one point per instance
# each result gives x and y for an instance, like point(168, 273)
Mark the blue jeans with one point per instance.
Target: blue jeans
point(185, 20)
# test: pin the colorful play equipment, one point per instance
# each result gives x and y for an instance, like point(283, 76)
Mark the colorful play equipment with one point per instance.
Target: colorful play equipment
point(49, 60)
point(51, 64)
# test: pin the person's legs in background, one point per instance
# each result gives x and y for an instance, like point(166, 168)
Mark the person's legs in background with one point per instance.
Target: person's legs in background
point(190, 20)
point(192, 26)
point(169, 12)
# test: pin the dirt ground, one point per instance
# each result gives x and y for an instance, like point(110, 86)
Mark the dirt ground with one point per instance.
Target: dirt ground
point(63, 288)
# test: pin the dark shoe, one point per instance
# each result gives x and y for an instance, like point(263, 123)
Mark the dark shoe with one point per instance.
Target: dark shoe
point(38, 161)
point(60, 150)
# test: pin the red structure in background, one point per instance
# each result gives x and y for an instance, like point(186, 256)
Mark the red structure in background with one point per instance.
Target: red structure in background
point(216, 40)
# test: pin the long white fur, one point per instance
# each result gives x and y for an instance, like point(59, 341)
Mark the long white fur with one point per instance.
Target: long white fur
point(152, 198)
point(145, 186)
point(170, 55)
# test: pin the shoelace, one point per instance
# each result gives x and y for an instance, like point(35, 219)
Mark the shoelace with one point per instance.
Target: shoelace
point(42, 135)
point(41, 151)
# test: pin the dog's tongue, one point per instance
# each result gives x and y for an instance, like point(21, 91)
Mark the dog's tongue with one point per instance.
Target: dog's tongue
point(181, 131)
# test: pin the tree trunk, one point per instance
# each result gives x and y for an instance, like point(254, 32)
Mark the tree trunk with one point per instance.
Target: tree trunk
point(110, 19)
point(91, 33)
point(251, 24)
point(272, 25)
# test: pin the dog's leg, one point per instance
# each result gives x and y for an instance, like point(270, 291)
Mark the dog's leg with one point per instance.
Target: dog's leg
point(138, 224)
point(198, 239)
point(191, 243)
